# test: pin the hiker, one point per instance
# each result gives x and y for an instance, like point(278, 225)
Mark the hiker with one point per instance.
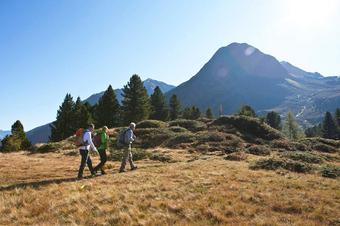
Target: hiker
point(104, 137)
point(84, 151)
point(129, 137)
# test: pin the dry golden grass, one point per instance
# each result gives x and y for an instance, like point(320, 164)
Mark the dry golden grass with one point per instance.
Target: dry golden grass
point(202, 190)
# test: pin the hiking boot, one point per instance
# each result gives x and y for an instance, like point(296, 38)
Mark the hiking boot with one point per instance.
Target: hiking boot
point(122, 171)
point(103, 172)
point(134, 168)
point(79, 177)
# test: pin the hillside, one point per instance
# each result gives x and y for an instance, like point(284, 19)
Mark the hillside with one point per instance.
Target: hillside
point(241, 74)
point(233, 170)
point(4, 133)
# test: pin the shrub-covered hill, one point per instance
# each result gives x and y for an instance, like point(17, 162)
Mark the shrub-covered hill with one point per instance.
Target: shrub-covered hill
point(232, 137)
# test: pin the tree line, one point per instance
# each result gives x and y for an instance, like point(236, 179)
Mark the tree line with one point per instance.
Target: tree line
point(135, 107)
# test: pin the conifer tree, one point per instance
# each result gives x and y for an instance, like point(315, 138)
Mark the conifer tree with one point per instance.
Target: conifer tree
point(274, 120)
point(64, 127)
point(136, 103)
point(18, 132)
point(107, 110)
point(195, 113)
point(82, 116)
point(291, 128)
point(209, 114)
point(329, 128)
point(159, 109)
point(315, 131)
point(246, 110)
point(175, 107)
point(187, 113)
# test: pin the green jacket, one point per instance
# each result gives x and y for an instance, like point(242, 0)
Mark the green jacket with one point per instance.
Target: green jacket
point(104, 140)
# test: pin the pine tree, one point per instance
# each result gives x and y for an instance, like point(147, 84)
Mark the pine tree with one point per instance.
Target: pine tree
point(315, 131)
point(64, 126)
point(159, 109)
point(82, 116)
point(136, 104)
point(107, 110)
point(329, 128)
point(18, 132)
point(291, 128)
point(17, 140)
point(274, 120)
point(195, 113)
point(187, 113)
point(175, 107)
point(209, 114)
point(246, 110)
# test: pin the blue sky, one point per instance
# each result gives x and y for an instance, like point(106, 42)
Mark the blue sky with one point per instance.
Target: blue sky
point(50, 48)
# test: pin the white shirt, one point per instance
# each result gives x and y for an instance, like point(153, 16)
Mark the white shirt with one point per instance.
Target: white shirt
point(88, 140)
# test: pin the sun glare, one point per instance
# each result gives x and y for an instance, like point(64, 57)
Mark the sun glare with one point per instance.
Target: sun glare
point(310, 13)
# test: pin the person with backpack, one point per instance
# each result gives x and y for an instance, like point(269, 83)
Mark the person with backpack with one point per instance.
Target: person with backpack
point(102, 143)
point(128, 138)
point(85, 145)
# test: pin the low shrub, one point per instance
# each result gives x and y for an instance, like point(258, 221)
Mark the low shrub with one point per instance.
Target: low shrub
point(289, 145)
point(181, 139)
point(152, 137)
point(192, 125)
point(237, 156)
point(178, 129)
point(49, 147)
point(277, 163)
point(138, 154)
point(324, 148)
point(330, 171)
point(303, 157)
point(210, 136)
point(249, 125)
point(258, 150)
point(151, 124)
point(160, 157)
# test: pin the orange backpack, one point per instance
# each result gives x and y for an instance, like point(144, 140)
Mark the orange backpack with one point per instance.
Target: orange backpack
point(79, 137)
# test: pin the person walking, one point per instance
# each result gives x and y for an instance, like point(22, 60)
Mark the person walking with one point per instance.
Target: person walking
point(129, 137)
point(104, 137)
point(87, 144)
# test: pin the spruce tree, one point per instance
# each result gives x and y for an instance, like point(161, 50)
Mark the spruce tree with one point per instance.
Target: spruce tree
point(175, 107)
point(82, 116)
point(159, 109)
point(329, 128)
point(209, 114)
point(291, 128)
point(187, 113)
point(107, 110)
point(246, 110)
point(136, 103)
point(274, 120)
point(195, 113)
point(64, 127)
point(18, 132)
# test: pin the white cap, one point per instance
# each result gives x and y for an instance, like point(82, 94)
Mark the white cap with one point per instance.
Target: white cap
point(132, 124)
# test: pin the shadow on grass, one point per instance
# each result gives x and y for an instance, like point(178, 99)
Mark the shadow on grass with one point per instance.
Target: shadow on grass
point(38, 184)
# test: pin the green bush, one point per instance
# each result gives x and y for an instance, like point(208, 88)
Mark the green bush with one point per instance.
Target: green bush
point(191, 125)
point(178, 129)
point(330, 171)
point(289, 145)
point(151, 124)
point(303, 157)
point(249, 125)
point(152, 137)
point(258, 150)
point(277, 163)
point(324, 148)
point(210, 136)
point(138, 154)
point(181, 139)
